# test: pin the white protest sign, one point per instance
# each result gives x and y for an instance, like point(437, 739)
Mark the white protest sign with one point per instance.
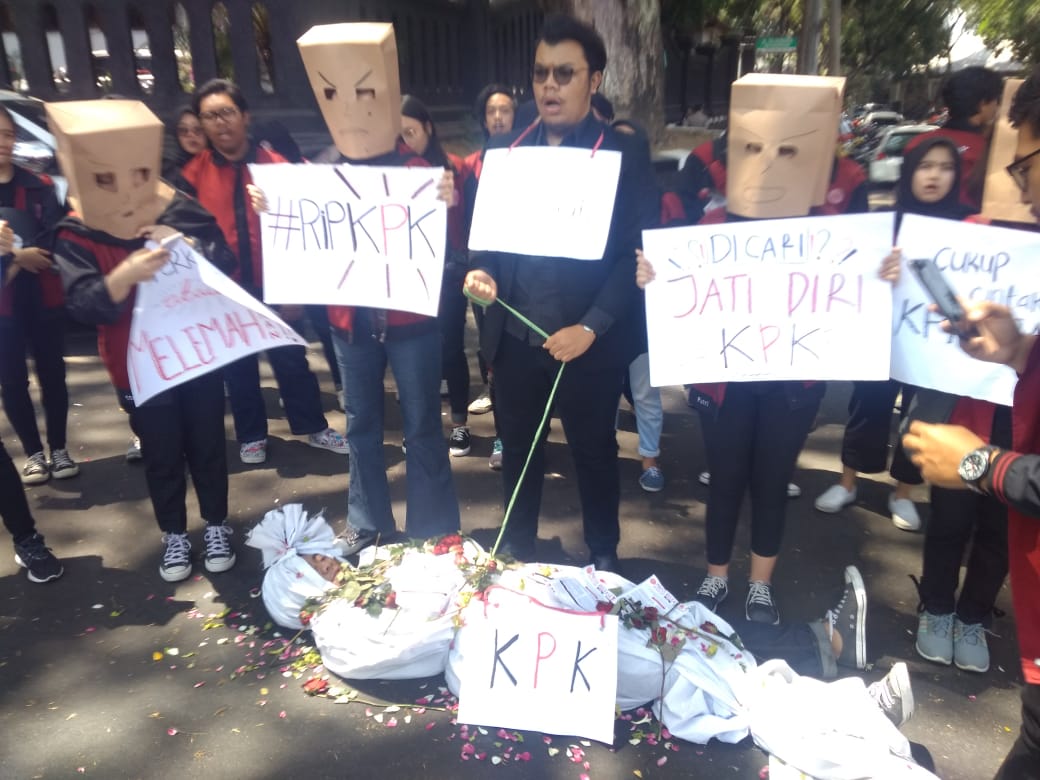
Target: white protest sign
point(192, 319)
point(353, 235)
point(769, 299)
point(539, 669)
point(546, 201)
point(980, 263)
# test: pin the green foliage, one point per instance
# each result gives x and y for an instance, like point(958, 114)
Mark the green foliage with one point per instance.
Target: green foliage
point(877, 40)
point(1008, 21)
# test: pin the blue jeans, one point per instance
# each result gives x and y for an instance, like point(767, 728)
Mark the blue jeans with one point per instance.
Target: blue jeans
point(647, 402)
point(433, 508)
point(296, 383)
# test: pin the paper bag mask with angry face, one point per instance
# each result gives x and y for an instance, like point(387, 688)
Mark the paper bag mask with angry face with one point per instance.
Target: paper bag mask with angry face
point(781, 141)
point(353, 71)
point(110, 151)
point(1001, 198)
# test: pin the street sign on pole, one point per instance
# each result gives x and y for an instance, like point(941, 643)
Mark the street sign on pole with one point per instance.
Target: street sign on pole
point(776, 45)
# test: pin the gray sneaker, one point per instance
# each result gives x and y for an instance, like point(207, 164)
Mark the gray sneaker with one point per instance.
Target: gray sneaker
point(935, 637)
point(970, 651)
point(893, 695)
point(35, 471)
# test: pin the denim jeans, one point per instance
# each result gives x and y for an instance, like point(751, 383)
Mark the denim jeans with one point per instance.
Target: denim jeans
point(647, 403)
point(432, 507)
point(296, 383)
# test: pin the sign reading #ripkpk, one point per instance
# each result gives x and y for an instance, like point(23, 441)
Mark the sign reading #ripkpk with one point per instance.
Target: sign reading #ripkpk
point(353, 235)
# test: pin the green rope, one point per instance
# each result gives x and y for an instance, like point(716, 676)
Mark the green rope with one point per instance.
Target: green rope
point(541, 424)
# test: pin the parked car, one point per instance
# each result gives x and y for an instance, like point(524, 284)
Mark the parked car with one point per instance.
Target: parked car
point(886, 162)
point(33, 144)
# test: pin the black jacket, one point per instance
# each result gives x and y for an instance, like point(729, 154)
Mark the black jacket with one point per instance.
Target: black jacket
point(599, 294)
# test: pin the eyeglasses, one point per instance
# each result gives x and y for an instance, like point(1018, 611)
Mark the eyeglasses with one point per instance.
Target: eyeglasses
point(1019, 171)
point(227, 113)
point(562, 74)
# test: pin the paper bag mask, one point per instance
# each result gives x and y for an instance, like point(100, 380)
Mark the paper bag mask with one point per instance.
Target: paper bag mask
point(111, 153)
point(1001, 198)
point(353, 71)
point(782, 135)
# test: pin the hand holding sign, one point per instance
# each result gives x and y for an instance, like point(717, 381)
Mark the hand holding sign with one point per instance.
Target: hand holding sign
point(352, 235)
point(140, 266)
point(190, 320)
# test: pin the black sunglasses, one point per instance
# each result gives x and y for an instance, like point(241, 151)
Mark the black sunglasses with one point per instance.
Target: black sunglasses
point(1019, 171)
point(562, 74)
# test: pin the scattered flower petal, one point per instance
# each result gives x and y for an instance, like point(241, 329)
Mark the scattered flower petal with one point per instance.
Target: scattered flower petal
point(171, 731)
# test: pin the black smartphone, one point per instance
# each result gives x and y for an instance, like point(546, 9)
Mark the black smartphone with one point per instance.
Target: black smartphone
point(934, 283)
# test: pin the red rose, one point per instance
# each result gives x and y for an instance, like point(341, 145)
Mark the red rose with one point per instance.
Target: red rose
point(391, 600)
point(315, 686)
point(650, 613)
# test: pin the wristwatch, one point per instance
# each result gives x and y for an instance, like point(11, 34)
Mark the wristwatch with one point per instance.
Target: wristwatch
point(974, 466)
point(587, 329)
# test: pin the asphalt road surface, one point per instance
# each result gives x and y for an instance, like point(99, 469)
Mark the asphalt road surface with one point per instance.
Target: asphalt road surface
point(112, 673)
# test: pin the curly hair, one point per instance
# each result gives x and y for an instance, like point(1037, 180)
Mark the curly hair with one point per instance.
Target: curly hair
point(1025, 108)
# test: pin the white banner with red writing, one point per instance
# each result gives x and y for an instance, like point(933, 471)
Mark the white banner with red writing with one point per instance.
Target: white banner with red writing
point(192, 319)
point(980, 263)
point(353, 235)
point(770, 299)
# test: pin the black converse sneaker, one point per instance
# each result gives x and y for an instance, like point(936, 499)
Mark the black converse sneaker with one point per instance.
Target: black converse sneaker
point(712, 592)
point(760, 606)
point(219, 555)
point(37, 559)
point(849, 619)
point(62, 464)
point(176, 562)
point(458, 442)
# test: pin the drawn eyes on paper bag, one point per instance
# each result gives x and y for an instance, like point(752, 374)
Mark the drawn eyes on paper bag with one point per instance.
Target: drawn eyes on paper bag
point(109, 182)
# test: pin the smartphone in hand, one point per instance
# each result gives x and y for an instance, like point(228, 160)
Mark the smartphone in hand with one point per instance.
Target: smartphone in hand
point(934, 283)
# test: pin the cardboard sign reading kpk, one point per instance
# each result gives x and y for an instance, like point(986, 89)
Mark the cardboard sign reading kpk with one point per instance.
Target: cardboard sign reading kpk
point(769, 299)
point(192, 319)
point(980, 263)
point(546, 201)
point(540, 669)
point(353, 235)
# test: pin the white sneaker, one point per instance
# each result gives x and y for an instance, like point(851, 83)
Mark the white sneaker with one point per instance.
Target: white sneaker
point(133, 451)
point(253, 451)
point(834, 499)
point(482, 404)
point(329, 440)
point(904, 513)
point(704, 477)
point(793, 491)
point(893, 694)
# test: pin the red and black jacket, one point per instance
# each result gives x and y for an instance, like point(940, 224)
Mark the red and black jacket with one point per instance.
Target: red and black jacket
point(36, 201)
point(86, 256)
point(211, 177)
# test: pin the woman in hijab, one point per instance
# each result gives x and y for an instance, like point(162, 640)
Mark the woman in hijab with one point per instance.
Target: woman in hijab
point(929, 186)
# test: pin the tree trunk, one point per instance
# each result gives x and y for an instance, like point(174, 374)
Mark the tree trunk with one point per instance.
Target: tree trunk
point(634, 79)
